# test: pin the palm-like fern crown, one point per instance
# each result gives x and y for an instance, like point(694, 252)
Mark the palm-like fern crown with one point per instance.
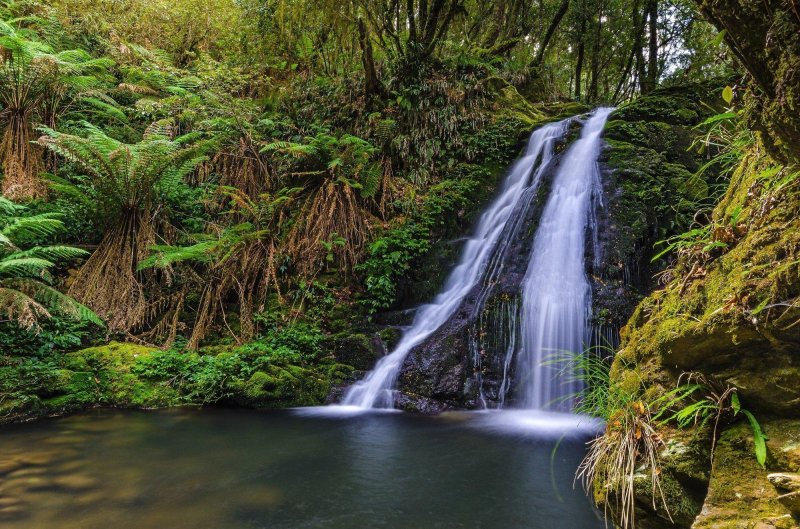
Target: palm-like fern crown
point(30, 68)
point(129, 176)
point(25, 292)
point(348, 159)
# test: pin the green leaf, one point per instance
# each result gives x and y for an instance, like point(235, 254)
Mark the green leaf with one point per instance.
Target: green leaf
point(759, 439)
point(735, 404)
point(727, 94)
point(718, 38)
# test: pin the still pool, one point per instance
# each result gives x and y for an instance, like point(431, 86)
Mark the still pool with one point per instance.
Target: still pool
point(233, 469)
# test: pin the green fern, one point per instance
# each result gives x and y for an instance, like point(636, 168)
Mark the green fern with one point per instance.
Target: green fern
point(25, 296)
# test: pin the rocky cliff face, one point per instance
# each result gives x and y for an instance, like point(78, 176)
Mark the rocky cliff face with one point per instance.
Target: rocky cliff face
point(465, 364)
point(730, 313)
point(462, 365)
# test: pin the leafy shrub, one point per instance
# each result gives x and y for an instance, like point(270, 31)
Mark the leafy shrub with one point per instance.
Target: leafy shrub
point(54, 335)
point(389, 259)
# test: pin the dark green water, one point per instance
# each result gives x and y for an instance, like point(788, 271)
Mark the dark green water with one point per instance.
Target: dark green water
point(227, 469)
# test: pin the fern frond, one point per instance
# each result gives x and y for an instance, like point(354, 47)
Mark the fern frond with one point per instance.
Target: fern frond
point(51, 253)
point(53, 300)
point(20, 308)
point(34, 227)
point(24, 266)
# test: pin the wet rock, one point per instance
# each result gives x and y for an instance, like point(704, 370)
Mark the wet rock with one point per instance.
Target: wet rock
point(791, 500)
point(739, 494)
point(419, 404)
point(354, 349)
point(785, 481)
point(462, 363)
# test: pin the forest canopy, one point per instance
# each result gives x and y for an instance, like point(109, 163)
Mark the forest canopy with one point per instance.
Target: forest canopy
point(199, 172)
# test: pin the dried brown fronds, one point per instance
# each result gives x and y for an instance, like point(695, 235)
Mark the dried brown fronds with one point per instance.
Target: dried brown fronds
point(109, 281)
point(628, 451)
point(331, 227)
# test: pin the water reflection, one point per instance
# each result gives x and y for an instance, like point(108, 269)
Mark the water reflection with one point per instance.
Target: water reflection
point(233, 469)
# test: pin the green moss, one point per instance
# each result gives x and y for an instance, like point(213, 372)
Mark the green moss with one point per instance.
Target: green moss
point(286, 368)
point(516, 107)
point(708, 320)
point(353, 349)
point(115, 355)
point(284, 386)
point(677, 105)
point(739, 494)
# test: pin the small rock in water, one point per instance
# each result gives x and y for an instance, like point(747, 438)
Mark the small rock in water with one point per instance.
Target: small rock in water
point(785, 481)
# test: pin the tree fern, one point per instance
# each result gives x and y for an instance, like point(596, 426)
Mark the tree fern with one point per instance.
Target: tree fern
point(128, 184)
point(25, 297)
point(36, 83)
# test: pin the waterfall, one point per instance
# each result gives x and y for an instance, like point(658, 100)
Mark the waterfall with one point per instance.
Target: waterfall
point(556, 294)
point(375, 391)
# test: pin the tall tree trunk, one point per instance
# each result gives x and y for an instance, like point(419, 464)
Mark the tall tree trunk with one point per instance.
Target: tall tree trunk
point(636, 47)
point(763, 34)
point(641, 66)
point(548, 36)
point(650, 82)
point(595, 62)
point(579, 62)
point(372, 84)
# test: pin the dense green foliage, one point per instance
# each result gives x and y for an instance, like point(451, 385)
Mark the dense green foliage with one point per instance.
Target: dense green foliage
point(281, 169)
point(27, 295)
point(213, 202)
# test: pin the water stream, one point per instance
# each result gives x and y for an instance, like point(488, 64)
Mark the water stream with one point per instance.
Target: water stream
point(238, 469)
point(375, 391)
point(555, 292)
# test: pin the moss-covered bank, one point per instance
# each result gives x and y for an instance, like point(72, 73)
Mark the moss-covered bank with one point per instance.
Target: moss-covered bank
point(127, 375)
point(730, 312)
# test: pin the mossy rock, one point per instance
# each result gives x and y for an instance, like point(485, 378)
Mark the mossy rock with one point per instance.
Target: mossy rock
point(710, 322)
point(706, 323)
point(119, 356)
point(356, 350)
point(512, 104)
point(739, 494)
point(284, 386)
point(676, 105)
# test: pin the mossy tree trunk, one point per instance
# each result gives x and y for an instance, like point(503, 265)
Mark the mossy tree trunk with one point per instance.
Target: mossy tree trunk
point(372, 83)
point(765, 36)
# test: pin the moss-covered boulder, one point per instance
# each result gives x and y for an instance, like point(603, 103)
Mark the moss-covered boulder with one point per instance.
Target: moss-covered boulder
point(739, 494)
point(651, 191)
point(733, 316)
point(358, 350)
point(729, 311)
point(282, 386)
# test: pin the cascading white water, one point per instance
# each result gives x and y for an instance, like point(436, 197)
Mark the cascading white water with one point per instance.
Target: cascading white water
point(556, 294)
point(375, 391)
